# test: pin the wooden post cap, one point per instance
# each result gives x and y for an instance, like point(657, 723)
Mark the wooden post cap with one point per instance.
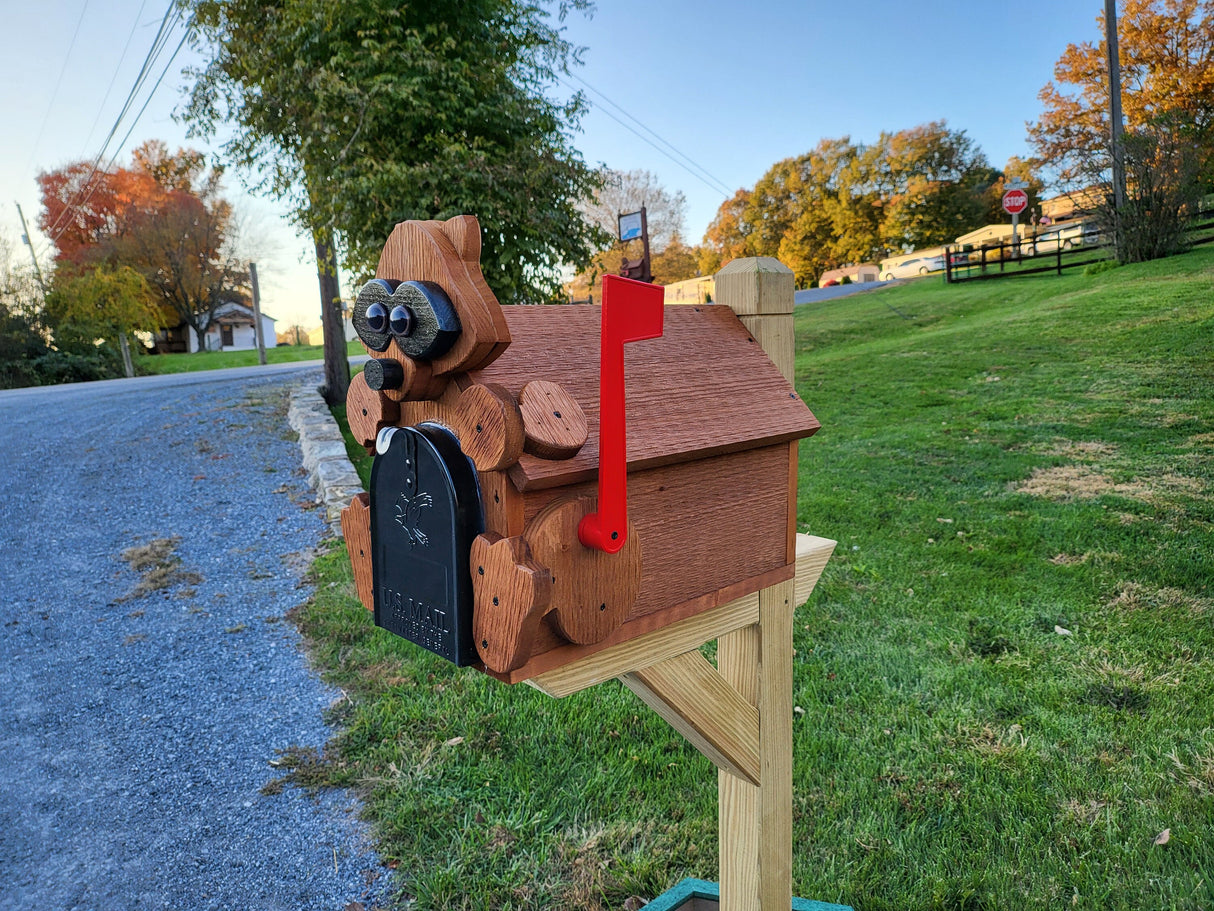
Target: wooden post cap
point(755, 284)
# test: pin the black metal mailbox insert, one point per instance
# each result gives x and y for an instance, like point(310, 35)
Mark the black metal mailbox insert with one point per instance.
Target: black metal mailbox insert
point(425, 514)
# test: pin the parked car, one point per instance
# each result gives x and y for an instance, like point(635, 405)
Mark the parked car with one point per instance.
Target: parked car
point(918, 266)
point(1066, 236)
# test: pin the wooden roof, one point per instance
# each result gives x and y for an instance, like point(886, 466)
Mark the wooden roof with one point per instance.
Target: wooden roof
point(704, 388)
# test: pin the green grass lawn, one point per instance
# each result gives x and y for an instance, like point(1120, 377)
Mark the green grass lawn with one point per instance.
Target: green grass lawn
point(1005, 678)
point(217, 360)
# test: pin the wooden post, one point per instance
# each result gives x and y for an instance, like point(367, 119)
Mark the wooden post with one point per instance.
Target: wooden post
point(755, 821)
point(258, 333)
point(125, 347)
point(739, 714)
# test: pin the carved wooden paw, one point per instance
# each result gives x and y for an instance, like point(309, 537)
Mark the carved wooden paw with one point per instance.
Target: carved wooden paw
point(368, 411)
point(593, 592)
point(511, 593)
point(356, 529)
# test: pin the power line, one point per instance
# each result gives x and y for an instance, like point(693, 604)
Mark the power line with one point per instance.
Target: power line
point(721, 184)
point(46, 114)
point(704, 175)
point(117, 68)
point(158, 44)
point(134, 123)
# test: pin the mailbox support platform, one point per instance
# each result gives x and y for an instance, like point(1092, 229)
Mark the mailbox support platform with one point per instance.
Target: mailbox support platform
point(739, 714)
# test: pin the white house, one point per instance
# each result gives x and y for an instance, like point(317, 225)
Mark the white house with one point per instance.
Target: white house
point(231, 330)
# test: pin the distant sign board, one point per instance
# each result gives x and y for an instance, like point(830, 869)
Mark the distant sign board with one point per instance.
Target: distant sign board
point(630, 226)
point(1015, 202)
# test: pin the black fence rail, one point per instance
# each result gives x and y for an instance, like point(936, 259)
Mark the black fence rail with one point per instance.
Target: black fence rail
point(1026, 256)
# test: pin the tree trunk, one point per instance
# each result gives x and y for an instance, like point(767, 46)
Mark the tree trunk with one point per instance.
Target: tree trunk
point(202, 337)
point(337, 363)
point(127, 367)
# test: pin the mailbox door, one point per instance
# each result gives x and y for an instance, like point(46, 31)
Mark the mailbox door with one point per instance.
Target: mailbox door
point(425, 514)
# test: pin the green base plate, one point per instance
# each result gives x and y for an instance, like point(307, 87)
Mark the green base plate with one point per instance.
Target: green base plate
point(700, 895)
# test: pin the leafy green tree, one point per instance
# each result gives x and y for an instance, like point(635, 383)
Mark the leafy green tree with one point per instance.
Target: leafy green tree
point(728, 234)
point(105, 302)
point(365, 113)
point(940, 180)
point(21, 340)
point(676, 262)
point(833, 216)
point(842, 203)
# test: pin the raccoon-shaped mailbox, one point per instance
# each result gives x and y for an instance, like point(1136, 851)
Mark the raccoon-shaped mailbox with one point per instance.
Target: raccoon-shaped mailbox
point(550, 481)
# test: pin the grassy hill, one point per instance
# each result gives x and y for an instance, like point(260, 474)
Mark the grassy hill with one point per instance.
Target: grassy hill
point(1004, 682)
point(1006, 671)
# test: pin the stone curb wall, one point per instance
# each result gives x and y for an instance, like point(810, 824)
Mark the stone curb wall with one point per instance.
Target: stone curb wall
point(329, 469)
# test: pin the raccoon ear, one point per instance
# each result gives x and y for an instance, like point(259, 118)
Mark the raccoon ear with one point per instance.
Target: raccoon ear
point(465, 234)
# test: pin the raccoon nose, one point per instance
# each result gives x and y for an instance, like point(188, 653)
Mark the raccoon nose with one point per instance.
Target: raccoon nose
point(383, 374)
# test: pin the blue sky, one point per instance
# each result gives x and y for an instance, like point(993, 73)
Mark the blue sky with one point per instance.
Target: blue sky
point(734, 87)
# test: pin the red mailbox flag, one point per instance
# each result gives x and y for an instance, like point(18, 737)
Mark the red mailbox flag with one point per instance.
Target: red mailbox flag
point(632, 311)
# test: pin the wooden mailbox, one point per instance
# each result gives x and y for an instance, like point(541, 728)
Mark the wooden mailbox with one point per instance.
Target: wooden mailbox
point(497, 533)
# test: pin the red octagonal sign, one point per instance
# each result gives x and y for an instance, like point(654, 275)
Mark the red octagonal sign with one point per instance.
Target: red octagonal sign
point(1015, 202)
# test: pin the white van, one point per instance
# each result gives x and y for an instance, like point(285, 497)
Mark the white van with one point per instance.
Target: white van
point(1048, 241)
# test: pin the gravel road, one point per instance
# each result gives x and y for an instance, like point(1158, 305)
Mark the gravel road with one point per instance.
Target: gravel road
point(137, 729)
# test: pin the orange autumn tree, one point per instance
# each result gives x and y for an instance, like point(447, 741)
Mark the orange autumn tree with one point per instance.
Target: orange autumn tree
point(1166, 50)
point(163, 216)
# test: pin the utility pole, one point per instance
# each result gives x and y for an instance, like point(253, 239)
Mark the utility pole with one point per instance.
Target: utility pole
point(1116, 128)
point(261, 338)
point(25, 237)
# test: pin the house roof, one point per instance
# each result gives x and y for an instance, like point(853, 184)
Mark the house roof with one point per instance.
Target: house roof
point(230, 307)
point(224, 313)
point(704, 388)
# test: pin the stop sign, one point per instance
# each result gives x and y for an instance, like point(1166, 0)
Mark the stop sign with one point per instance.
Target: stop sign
point(1015, 202)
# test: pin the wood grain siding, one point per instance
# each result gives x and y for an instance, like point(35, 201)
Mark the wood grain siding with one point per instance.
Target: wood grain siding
point(702, 543)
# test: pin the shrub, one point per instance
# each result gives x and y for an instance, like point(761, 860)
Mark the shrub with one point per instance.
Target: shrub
point(1097, 268)
point(56, 367)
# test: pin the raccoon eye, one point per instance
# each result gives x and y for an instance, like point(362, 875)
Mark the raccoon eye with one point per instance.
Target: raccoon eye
point(377, 318)
point(402, 321)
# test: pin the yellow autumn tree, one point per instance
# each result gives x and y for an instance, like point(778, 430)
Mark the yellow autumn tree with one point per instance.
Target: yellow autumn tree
point(1166, 50)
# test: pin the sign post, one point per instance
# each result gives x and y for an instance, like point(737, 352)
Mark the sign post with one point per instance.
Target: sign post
point(1015, 201)
point(634, 226)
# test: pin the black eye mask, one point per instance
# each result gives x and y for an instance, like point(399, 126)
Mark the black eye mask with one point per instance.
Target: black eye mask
point(419, 315)
point(371, 310)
